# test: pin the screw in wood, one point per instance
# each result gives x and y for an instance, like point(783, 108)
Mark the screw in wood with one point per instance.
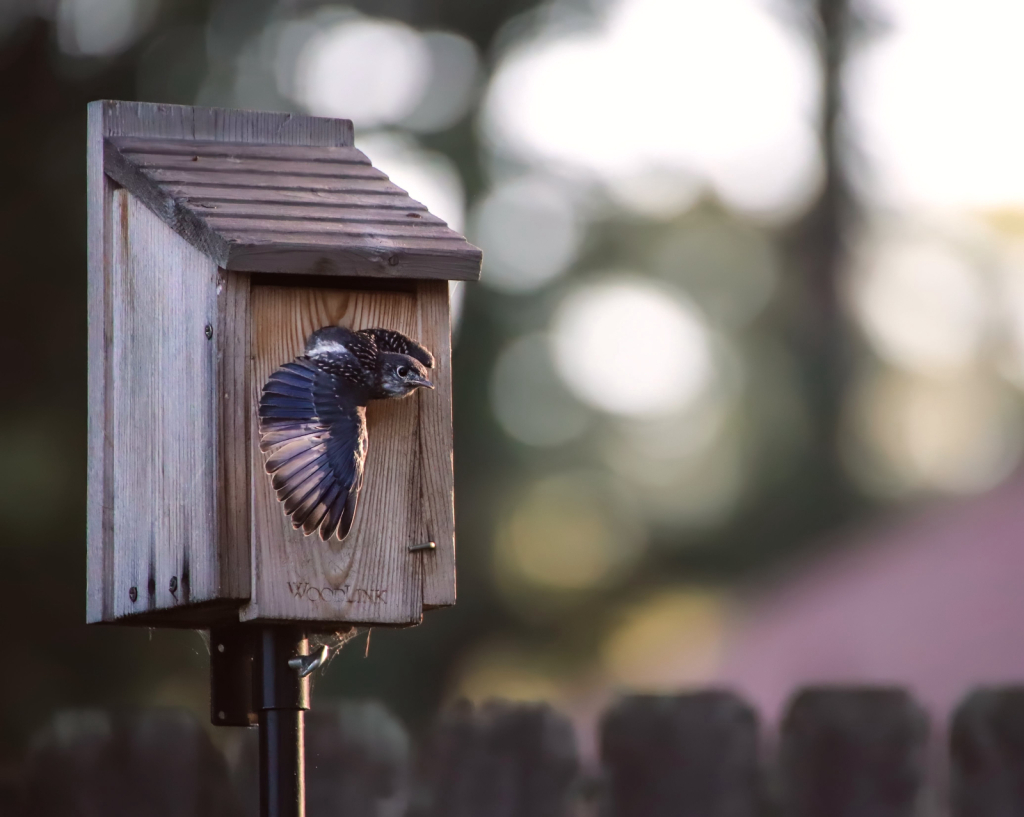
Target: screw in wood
point(133, 594)
point(174, 584)
point(393, 260)
point(209, 332)
point(424, 546)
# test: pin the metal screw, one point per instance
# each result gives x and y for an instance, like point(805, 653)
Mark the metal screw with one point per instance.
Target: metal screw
point(393, 260)
point(133, 594)
point(209, 332)
point(424, 546)
point(220, 648)
point(174, 584)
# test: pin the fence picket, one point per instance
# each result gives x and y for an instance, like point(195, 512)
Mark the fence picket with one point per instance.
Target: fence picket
point(682, 756)
point(987, 754)
point(507, 759)
point(852, 752)
point(357, 762)
point(150, 763)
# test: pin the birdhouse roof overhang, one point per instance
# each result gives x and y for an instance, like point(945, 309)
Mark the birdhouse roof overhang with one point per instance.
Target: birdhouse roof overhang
point(319, 209)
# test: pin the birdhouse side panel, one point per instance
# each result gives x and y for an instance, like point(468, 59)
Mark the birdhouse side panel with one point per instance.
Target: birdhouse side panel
point(372, 576)
point(436, 445)
point(163, 424)
point(233, 348)
point(99, 564)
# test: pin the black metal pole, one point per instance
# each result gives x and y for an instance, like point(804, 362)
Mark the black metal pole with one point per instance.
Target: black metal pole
point(281, 698)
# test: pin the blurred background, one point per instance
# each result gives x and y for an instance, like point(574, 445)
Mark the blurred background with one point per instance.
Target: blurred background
point(738, 399)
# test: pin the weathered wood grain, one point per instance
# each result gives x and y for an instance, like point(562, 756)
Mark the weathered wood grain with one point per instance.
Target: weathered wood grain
point(231, 337)
point(99, 562)
point(312, 213)
point(146, 119)
point(183, 162)
point(437, 484)
point(370, 577)
point(194, 162)
point(193, 194)
point(246, 179)
point(333, 232)
point(385, 259)
point(182, 220)
point(164, 404)
point(184, 146)
point(173, 502)
point(364, 243)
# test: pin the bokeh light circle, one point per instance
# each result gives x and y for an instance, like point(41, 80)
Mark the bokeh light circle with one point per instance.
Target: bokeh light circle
point(568, 532)
point(629, 347)
point(373, 72)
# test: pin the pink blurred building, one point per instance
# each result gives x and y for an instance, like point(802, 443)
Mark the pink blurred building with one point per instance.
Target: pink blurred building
point(933, 601)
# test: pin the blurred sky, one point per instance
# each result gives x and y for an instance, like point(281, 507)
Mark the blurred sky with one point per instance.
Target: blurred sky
point(645, 427)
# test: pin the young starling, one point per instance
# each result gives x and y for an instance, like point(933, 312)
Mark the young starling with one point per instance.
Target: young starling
point(312, 419)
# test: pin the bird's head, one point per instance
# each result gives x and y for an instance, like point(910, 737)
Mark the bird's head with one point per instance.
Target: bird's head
point(402, 375)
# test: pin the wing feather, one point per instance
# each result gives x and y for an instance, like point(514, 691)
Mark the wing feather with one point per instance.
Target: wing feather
point(314, 439)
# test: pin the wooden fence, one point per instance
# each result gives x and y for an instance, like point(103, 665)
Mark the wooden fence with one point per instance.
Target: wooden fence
point(840, 752)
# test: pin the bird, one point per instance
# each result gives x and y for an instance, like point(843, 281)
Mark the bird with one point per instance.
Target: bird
point(312, 419)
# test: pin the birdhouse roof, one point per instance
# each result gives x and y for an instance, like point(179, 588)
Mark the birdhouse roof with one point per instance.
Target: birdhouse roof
point(261, 192)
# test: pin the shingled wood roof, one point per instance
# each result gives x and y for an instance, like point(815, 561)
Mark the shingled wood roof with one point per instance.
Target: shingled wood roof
point(320, 209)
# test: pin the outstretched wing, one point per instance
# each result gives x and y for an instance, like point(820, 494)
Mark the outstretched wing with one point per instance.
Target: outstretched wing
point(388, 340)
point(314, 441)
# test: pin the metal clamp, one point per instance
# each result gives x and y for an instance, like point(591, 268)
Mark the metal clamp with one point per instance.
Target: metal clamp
point(307, 664)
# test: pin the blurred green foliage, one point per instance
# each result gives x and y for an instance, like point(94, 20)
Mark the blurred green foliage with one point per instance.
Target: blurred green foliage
point(52, 660)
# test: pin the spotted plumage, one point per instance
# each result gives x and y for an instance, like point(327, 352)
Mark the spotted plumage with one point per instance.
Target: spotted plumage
point(312, 419)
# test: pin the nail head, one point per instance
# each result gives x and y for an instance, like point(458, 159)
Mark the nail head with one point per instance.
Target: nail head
point(209, 332)
point(133, 594)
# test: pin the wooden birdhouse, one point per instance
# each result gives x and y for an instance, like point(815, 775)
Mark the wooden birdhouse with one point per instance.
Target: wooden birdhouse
point(219, 242)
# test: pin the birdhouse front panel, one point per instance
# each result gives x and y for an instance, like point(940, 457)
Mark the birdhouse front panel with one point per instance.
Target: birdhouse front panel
point(376, 568)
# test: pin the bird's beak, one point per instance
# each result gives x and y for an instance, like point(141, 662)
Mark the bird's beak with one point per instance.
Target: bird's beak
point(422, 381)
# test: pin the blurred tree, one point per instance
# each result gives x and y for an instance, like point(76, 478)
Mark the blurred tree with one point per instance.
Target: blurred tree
point(52, 659)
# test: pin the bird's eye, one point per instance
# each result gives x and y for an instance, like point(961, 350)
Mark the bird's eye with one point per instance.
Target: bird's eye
point(403, 371)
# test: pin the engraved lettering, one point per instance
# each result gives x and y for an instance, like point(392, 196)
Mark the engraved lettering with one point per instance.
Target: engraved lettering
point(361, 595)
